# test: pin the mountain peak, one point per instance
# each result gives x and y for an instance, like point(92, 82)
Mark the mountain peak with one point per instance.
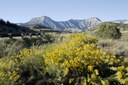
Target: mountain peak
point(42, 18)
point(94, 19)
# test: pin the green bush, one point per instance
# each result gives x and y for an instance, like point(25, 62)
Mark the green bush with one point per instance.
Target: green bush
point(108, 30)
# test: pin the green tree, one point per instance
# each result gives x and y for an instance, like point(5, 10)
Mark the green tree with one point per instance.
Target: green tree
point(2, 22)
point(108, 30)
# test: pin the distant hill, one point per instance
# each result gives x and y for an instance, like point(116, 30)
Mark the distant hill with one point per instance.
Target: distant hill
point(70, 25)
point(125, 21)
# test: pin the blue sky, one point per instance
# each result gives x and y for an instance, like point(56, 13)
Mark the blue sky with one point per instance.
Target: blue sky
point(61, 10)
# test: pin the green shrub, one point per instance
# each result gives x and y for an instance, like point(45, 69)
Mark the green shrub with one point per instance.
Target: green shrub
point(108, 30)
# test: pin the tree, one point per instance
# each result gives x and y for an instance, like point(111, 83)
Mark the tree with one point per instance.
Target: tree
point(2, 22)
point(108, 30)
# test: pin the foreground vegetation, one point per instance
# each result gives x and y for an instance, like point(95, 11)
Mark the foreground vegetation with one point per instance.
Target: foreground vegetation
point(75, 60)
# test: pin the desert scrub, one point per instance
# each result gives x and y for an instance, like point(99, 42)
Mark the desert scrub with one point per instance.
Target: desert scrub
point(108, 31)
point(117, 47)
point(74, 60)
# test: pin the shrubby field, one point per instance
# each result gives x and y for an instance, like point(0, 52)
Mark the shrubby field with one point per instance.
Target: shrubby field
point(75, 60)
point(111, 38)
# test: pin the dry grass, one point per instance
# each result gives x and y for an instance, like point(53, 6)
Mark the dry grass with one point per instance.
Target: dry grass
point(118, 47)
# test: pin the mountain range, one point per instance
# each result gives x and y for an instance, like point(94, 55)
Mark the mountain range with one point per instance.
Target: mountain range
point(70, 25)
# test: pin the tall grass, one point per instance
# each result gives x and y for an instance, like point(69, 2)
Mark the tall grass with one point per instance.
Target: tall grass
point(14, 45)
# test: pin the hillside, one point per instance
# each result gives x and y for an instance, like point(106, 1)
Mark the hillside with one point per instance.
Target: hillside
point(7, 27)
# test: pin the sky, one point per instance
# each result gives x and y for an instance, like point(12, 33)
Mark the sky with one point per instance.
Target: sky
point(20, 11)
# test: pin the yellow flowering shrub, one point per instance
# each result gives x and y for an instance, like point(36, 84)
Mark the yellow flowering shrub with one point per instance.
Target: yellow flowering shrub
point(75, 60)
